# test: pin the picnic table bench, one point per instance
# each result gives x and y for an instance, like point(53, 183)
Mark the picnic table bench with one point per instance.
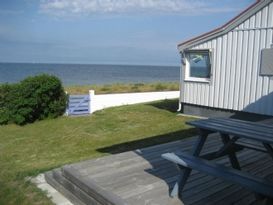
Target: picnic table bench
point(230, 130)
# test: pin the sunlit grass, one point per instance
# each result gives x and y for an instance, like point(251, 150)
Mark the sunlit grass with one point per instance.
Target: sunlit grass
point(44, 145)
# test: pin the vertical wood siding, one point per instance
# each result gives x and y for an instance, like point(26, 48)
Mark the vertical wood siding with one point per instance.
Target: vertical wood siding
point(235, 81)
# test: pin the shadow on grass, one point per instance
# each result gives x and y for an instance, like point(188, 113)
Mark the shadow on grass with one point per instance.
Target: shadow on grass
point(169, 105)
point(155, 140)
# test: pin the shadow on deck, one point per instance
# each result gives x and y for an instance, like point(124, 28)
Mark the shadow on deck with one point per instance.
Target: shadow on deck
point(142, 177)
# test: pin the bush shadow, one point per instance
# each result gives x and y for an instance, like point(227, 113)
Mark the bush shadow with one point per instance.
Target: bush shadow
point(147, 142)
point(170, 105)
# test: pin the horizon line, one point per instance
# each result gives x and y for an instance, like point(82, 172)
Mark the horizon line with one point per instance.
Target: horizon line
point(118, 64)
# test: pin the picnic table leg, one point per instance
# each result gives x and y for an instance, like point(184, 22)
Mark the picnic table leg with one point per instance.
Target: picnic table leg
point(266, 200)
point(179, 185)
point(185, 172)
point(263, 200)
point(232, 154)
point(269, 149)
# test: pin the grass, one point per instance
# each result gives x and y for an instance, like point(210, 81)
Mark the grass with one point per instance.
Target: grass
point(123, 88)
point(35, 148)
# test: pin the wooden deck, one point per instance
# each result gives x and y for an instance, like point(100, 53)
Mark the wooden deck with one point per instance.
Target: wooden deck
point(142, 177)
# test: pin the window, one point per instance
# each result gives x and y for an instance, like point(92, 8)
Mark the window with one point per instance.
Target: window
point(198, 66)
point(267, 62)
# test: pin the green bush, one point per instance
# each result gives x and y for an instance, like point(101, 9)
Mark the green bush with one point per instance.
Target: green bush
point(5, 89)
point(34, 98)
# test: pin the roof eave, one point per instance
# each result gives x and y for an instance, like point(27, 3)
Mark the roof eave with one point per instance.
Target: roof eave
point(252, 9)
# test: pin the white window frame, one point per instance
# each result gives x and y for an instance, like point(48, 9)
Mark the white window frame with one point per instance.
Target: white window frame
point(187, 66)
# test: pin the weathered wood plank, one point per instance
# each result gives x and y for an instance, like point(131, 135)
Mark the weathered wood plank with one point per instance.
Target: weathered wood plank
point(259, 185)
point(223, 189)
point(140, 163)
point(142, 177)
point(183, 143)
point(230, 129)
point(256, 132)
point(105, 165)
point(244, 124)
point(117, 158)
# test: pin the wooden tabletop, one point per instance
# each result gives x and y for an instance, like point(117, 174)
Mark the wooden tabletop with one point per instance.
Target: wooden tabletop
point(244, 129)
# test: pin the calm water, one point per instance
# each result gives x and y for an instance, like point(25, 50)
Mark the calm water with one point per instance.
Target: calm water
point(73, 74)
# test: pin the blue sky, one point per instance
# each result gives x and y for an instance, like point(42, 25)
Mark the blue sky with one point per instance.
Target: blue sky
point(106, 31)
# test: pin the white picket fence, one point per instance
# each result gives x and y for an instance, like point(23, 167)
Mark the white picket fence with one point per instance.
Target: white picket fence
point(87, 104)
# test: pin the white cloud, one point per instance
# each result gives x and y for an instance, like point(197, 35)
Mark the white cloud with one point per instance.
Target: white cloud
point(89, 7)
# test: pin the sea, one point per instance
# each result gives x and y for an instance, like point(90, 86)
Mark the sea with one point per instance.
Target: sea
point(87, 74)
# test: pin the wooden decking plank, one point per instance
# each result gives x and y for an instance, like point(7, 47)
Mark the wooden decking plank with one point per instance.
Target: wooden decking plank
point(134, 166)
point(197, 188)
point(235, 196)
point(244, 156)
point(225, 191)
point(266, 170)
point(64, 188)
point(118, 158)
point(121, 179)
point(164, 170)
point(127, 179)
point(160, 192)
point(78, 195)
point(230, 128)
point(161, 197)
point(240, 131)
point(214, 196)
point(262, 128)
point(247, 133)
point(213, 179)
point(267, 121)
point(93, 189)
point(111, 166)
point(143, 177)
point(138, 185)
point(247, 199)
point(170, 180)
point(121, 174)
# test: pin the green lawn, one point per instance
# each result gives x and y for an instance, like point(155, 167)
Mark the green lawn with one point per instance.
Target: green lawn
point(35, 148)
point(123, 88)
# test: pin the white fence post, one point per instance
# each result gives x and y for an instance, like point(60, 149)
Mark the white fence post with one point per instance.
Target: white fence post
point(67, 106)
point(91, 101)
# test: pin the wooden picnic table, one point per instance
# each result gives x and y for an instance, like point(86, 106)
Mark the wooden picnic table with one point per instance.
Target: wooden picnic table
point(230, 130)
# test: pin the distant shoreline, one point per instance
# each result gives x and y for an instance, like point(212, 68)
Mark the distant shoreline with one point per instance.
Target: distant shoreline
point(123, 88)
point(94, 64)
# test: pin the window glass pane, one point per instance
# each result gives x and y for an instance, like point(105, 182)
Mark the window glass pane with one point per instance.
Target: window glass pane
point(266, 62)
point(199, 64)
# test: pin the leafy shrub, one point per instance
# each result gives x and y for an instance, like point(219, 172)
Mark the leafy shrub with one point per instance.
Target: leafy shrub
point(5, 89)
point(34, 98)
